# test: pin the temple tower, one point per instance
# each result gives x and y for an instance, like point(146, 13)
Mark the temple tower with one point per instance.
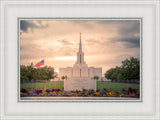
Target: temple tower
point(80, 53)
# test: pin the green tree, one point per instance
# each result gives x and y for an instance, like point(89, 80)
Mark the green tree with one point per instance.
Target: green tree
point(96, 77)
point(42, 73)
point(129, 70)
point(109, 74)
point(23, 71)
point(113, 73)
point(64, 77)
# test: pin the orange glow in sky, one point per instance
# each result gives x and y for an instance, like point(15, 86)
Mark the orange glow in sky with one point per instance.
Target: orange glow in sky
point(65, 58)
point(105, 43)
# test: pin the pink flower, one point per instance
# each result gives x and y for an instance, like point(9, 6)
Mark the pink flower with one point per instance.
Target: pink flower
point(90, 95)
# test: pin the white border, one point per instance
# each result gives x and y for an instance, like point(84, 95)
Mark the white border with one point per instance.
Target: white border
point(11, 111)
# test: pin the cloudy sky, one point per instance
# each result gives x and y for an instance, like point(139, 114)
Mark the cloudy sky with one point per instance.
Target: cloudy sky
point(105, 43)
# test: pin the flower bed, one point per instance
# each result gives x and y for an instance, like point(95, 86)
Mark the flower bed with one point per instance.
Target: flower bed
point(84, 93)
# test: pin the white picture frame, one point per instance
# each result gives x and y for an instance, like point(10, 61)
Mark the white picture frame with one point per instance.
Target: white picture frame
point(148, 108)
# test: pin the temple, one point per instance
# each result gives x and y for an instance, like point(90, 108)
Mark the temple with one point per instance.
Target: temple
point(80, 76)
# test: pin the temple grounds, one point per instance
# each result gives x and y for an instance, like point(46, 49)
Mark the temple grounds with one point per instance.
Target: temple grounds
point(100, 85)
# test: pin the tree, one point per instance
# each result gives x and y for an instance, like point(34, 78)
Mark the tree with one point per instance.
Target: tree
point(114, 73)
point(129, 70)
point(109, 74)
point(96, 77)
point(23, 73)
point(64, 77)
point(41, 73)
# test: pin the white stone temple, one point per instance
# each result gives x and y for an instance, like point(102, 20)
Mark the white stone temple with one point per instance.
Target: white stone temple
point(80, 76)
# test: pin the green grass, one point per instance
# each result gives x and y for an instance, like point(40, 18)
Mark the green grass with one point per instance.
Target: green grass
point(116, 86)
point(108, 85)
point(41, 85)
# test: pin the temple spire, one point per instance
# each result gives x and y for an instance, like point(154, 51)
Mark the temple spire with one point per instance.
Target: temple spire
point(80, 54)
point(80, 44)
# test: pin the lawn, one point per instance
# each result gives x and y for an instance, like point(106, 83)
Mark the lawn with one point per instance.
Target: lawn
point(108, 85)
point(41, 85)
point(116, 86)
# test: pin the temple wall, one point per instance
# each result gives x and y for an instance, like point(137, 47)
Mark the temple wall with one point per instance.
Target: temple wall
point(66, 72)
point(76, 72)
point(98, 72)
point(79, 84)
point(95, 72)
point(84, 72)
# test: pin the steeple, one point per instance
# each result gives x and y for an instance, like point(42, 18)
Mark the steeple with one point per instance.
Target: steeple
point(80, 54)
point(80, 44)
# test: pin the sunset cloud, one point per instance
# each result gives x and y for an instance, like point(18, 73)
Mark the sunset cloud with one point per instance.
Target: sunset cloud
point(25, 25)
point(105, 43)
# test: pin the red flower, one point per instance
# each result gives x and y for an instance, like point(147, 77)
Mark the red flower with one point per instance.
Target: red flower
point(57, 90)
point(38, 91)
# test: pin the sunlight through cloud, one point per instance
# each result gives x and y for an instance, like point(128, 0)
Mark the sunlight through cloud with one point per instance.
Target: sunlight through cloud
point(65, 58)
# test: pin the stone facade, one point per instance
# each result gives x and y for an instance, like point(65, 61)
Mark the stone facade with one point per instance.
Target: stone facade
point(80, 76)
